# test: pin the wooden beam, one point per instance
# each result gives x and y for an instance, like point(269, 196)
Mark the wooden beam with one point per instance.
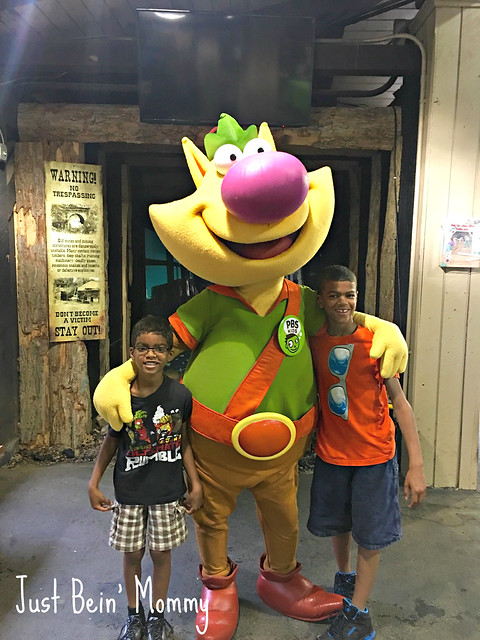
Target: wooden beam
point(127, 275)
point(371, 265)
point(330, 128)
point(343, 128)
point(32, 305)
point(468, 471)
point(354, 230)
point(104, 346)
point(55, 405)
point(10, 4)
point(388, 253)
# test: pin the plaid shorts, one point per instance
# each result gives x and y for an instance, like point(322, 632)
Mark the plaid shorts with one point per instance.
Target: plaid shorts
point(162, 525)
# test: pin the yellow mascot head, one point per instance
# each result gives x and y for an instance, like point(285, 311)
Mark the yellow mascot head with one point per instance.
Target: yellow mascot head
point(257, 214)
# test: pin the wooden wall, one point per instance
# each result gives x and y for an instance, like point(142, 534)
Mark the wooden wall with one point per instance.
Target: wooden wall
point(8, 325)
point(54, 390)
point(444, 327)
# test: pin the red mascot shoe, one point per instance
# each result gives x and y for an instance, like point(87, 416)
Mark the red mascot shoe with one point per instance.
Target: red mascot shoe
point(217, 617)
point(295, 596)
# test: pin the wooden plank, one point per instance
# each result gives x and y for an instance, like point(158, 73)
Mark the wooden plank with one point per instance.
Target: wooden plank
point(104, 346)
point(53, 383)
point(371, 263)
point(426, 365)
point(260, 4)
point(18, 26)
point(104, 17)
point(464, 195)
point(239, 6)
point(124, 15)
point(3, 27)
point(425, 30)
point(467, 125)
point(31, 242)
point(453, 403)
point(186, 5)
point(57, 16)
point(70, 405)
point(388, 253)
point(331, 127)
point(31, 265)
point(37, 21)
point(451, 378)
point(126, 218)
point(343, 128)
point(468, 471)
point(377, 102)
point(222, 6)
point(152, 4)
point(354, 230)
point(448, 339)
point(80, 15)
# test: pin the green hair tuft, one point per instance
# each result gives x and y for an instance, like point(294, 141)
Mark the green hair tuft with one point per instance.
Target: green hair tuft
point(228, 132)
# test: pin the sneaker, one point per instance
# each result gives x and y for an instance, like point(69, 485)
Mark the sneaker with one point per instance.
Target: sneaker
point(157, 628)
point(344, 584)
point(134, 628)
point(351, 624)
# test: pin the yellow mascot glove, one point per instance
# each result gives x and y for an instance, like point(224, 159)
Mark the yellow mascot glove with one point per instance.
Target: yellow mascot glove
point(388, 344)
point(112, 397)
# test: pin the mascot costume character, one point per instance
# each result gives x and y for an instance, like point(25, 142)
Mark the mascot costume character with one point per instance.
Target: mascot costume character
point(255, 216)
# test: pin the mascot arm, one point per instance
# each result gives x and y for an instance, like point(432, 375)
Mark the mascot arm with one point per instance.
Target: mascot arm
point(112, 397)
point(388, 344)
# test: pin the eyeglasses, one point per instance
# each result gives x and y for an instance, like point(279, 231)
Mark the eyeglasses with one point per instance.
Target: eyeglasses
point(338, 363)
point(160, 348)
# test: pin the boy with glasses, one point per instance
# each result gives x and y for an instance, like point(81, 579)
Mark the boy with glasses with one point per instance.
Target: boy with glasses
point(354, 490)
point(152, 453)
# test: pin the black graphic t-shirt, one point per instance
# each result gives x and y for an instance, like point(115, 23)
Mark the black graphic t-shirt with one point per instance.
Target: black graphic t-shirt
point(149, 468)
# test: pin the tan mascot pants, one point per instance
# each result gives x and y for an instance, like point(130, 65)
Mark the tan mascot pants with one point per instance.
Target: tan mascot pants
point(224, 473)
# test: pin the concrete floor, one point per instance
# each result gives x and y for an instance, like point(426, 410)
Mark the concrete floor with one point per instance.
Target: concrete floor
point(428, 586)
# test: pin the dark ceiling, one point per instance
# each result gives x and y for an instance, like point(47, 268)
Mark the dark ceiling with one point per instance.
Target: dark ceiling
point(86, 50)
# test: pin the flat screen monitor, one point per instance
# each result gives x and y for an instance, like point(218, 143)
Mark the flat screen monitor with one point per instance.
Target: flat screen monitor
point(193, 66)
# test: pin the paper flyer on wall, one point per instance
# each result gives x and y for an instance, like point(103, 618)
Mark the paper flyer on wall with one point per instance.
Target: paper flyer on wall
point(461, 244)
point(75, 251)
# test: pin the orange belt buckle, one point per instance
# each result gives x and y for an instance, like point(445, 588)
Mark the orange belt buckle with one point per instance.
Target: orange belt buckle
point(264, 436)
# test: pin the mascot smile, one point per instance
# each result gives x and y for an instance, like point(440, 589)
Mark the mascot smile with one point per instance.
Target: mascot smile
point(255, 216)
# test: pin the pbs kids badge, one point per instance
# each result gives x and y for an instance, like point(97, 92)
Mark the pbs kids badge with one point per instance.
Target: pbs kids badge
point(291, 336)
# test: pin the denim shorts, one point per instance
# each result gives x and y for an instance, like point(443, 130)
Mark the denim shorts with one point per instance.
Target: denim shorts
point(363, 500)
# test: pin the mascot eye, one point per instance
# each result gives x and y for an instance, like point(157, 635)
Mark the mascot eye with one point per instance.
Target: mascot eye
point(226, 156)
point(257, 145)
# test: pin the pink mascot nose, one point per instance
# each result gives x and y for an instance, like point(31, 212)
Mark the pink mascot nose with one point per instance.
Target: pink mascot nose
point(265, 187)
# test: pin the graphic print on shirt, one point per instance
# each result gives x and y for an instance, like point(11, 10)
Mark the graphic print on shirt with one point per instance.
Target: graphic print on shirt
point(159, 437)
point(338, 363)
